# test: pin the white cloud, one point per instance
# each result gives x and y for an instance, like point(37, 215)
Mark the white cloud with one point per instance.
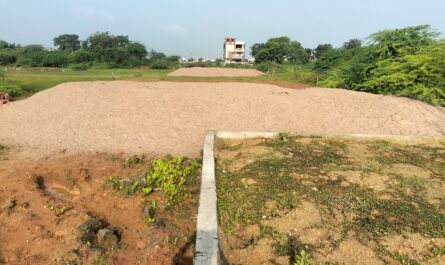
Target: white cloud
point(93, 13)
point(175, 30)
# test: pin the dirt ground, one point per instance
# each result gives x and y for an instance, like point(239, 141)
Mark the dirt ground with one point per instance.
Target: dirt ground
point(167, 117)
point(60, 209)
point(215, 72)
point(313, 200)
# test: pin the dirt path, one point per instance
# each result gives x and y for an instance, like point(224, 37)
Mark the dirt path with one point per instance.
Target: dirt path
point(167, 117)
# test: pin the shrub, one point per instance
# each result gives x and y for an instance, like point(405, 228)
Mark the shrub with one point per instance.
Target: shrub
point(160, 64)
point(14, 89)
point(170, 176)
point(80, 67)
point(6, 59)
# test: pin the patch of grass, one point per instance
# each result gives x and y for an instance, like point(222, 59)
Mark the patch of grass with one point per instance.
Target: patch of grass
point(27, 82)
point(70, 180)
point(127, 187)
point(131, 161)
point(169, 175)
point(311, 169)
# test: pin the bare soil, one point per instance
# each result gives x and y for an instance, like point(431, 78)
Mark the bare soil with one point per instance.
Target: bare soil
point(335, 200)
point(168, 117)
point(44, 203)
point(215, 72)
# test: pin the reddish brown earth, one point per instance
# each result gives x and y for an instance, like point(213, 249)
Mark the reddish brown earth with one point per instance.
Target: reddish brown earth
point(42, 207)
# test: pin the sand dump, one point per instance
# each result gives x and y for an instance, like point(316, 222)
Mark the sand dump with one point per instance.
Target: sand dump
point(215, 72)
point(169, 117)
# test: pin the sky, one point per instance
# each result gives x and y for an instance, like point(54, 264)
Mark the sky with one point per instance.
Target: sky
point(196, 28)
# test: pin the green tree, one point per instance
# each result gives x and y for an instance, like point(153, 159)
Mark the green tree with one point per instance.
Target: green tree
point(322, 48)
point(352, 44)
point(280, 50)
point(67, 42)
point(256, 48)
point(397, 42)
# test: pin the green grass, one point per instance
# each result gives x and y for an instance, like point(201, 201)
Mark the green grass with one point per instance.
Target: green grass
point(32, 81)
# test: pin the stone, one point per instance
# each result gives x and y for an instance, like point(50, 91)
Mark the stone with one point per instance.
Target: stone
point(5, 98)
point(86, 232)
point(249, 182)
point(107, 239)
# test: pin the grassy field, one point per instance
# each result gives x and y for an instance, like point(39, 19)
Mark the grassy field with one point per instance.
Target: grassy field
point(34, 80)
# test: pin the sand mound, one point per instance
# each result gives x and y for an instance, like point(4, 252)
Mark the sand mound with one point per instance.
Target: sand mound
point(169, 117)
point(215, 72)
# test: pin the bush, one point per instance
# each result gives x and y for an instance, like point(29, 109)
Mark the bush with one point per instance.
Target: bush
point(6, 59)
point(14, 89)
point(80, 67)
point(268, 67)
point(161, 64)
point(55, 59)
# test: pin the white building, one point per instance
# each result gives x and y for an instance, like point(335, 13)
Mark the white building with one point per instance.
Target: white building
point(234, 50)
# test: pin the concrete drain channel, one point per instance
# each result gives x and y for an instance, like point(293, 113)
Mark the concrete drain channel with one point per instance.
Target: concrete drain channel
point(207, 247)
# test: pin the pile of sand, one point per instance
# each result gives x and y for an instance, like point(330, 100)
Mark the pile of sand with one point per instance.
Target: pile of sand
point(215, 72)
point(170, 117)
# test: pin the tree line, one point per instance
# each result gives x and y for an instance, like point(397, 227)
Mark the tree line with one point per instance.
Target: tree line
point(101, 49)
point(406, 62)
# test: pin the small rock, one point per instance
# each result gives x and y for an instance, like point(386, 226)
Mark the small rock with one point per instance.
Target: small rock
point(249, 182)
point(88, 229)
point(167, 225)
point(107, 239)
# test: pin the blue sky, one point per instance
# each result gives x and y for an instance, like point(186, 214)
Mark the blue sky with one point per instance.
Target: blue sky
point(196, 28)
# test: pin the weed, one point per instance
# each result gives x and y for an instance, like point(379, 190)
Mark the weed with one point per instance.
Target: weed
point(171, 240)
point(303, 258)
point(70, 180)
point(149, 220)
point(170, 176)
point(114, 157)
point(3, 148)
point(58, 209)
point(435, 251)
point(127, 187)
point(130, 161)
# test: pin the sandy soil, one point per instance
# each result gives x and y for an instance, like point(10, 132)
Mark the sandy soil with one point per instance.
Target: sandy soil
point(215, 72)
point(256, 212)
point(168, 117)
point(39, 226)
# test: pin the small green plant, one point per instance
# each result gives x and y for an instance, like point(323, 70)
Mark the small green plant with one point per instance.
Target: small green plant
point(303, 258)
point(147, 190)
point(149, 220)
point(170, 176)
point(127, 187)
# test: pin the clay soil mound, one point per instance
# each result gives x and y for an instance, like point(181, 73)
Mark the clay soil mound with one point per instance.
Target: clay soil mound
point(215, 72)
point(169, 117)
